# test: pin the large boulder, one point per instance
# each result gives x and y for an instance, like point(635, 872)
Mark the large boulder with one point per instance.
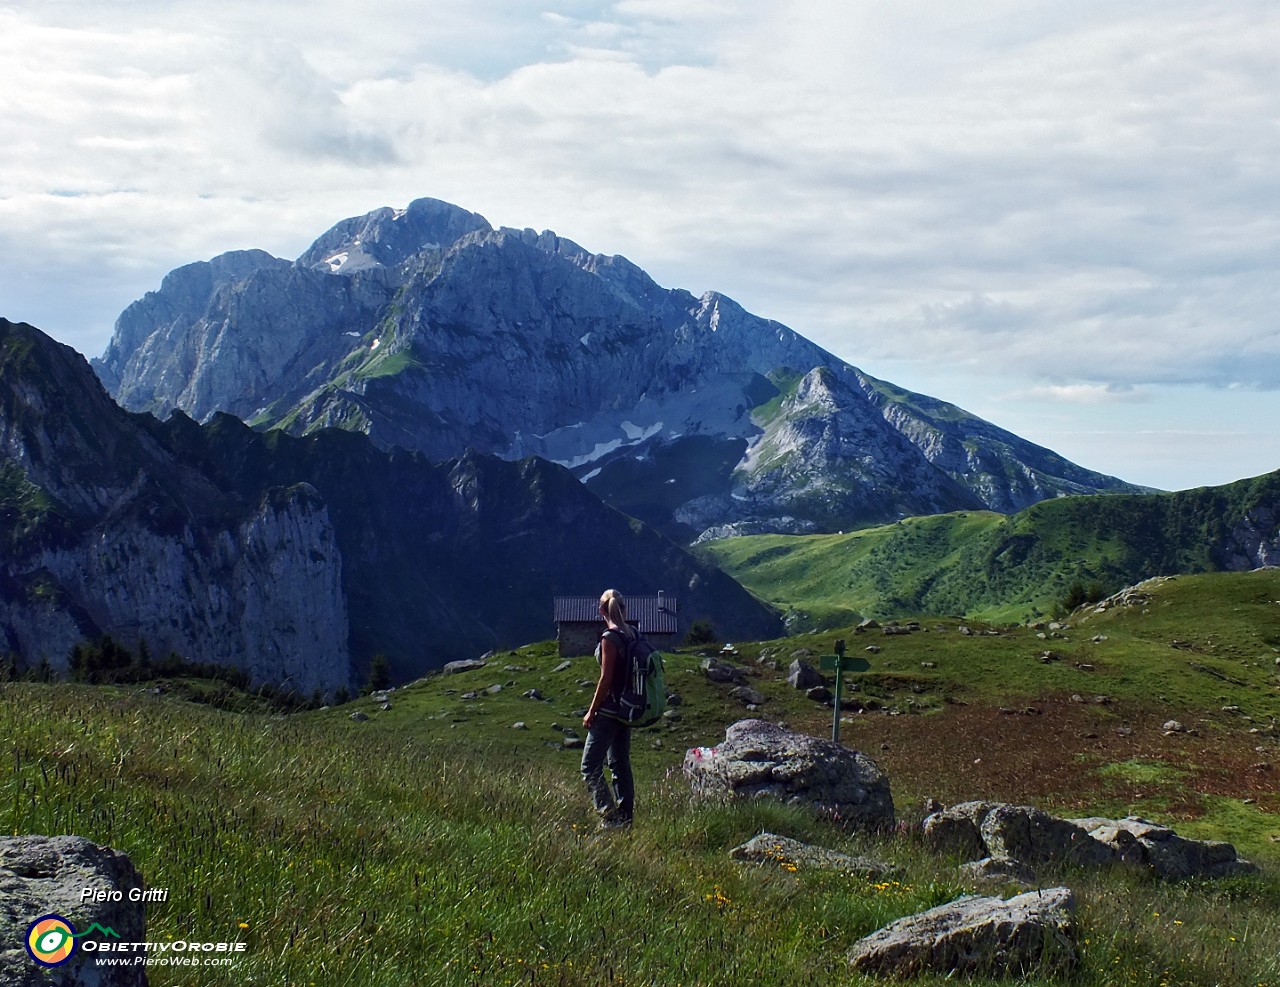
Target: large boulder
point(974, 935)
point(762, 760)
point(803, 676)
point(1022, 833)
point(1167, 854)
point(46, 876)
point(1032, 836)
point(957, 830)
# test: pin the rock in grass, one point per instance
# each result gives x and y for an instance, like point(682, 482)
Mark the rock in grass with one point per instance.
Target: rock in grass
point(46, 875)
point(1018, 832)
point(973, 935)
point(999, 870)
point(759, 759)
point(782, 851)
point(1012, 832)
point(465, 665)
point(1164, 852)
point(803, 676)
point(748, 696)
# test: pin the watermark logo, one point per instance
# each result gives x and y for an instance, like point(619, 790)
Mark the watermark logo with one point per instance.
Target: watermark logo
point(51, 940)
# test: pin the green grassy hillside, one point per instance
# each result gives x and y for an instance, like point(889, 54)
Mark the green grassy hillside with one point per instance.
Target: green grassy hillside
point(992, 566)
point(437, 842)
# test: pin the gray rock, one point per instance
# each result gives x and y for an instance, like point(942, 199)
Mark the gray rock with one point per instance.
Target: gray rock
point(1028, 835)
point(723, 672)
point(46, 875)
point(1018, 832)
point(465, 665)
point(972, 935)
point(1024, 833)
point(748, 696)
point(957, 830)
point(782, 851)
point(761, 760)
point(359, 716)
point(820, 694)
point(1146, 844)
point(804, 676)
point(998, 870)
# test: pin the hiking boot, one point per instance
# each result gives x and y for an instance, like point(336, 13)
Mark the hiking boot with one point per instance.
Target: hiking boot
point(615, 820)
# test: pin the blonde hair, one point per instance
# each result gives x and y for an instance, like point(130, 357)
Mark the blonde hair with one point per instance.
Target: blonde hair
point(616, 611)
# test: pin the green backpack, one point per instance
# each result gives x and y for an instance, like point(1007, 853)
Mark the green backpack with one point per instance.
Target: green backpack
point(644, 692)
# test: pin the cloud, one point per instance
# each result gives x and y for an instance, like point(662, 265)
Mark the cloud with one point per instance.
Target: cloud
point(1082, 394)
point(1079, 197)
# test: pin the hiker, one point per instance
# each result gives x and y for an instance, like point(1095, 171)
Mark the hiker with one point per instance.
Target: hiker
point(608, 738)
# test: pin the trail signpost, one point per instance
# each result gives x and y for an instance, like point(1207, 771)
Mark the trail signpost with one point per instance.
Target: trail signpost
point(839, 664)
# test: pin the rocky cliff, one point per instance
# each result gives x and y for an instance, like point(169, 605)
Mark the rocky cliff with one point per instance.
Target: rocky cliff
point(426, 328)
point(295, 558)
point(105, 533)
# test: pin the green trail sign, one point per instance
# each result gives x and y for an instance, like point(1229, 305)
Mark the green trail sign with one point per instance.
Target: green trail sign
point(839, 664)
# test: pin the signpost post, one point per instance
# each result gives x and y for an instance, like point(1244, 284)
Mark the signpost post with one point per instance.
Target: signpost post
point(840, 664)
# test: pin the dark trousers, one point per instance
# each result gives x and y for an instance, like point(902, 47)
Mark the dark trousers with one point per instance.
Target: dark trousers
point(609, 742)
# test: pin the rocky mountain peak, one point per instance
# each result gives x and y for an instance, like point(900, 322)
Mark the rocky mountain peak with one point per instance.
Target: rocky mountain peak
point(386, 238)
point(428, 329)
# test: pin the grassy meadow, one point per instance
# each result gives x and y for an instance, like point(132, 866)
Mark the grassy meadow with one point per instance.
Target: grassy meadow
point(437, 842)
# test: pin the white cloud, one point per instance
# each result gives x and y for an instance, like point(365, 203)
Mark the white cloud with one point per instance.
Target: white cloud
point(1081, 196)
point(1082, 394)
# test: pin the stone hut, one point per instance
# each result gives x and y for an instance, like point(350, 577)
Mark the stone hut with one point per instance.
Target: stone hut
point(578, 624)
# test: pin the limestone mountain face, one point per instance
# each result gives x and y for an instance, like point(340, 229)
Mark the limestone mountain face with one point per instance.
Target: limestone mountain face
point(295, 558)
point(105, 533)
point(426, 328)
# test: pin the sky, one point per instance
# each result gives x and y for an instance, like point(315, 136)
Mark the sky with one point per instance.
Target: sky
point(1064, 218)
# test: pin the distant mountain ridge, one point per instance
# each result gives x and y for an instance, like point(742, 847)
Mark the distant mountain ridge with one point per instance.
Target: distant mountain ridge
point(428, 329)
point(1051, 556)
point(296, 559)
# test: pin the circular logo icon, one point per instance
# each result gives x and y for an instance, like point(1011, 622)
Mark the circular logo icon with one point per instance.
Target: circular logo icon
point(50, 940)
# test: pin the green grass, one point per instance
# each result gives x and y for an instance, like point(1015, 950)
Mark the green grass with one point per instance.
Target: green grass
point(787, 381)
point(824, 581)
point(436, 842)
point(386, 363)
point(350, 853)
point(989, 566)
